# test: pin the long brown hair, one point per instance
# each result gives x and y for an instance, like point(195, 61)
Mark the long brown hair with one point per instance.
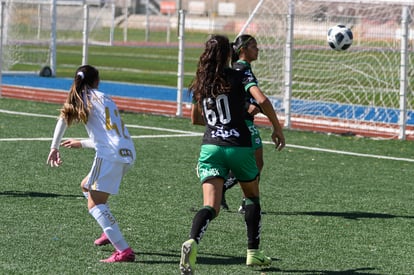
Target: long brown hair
point(210, 77)
point(77, 106)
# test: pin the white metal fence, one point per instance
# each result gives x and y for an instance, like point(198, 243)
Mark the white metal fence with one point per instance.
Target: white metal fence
point(367, 88)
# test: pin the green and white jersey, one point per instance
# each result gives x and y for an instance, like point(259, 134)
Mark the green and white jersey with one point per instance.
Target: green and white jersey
point(249, 80)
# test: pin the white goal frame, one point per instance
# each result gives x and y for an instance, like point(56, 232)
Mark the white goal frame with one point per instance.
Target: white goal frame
point(53, 4)
point(404, 51)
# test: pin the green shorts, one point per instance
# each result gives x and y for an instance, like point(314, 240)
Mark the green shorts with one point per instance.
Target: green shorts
point(256, 139)
point(217, 161)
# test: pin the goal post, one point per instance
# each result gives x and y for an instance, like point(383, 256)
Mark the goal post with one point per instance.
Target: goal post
point(2, 4)
point(404, 73)
point(32, 30)
point(364, 90)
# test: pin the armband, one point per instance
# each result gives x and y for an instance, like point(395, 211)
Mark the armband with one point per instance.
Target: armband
point(59, 132)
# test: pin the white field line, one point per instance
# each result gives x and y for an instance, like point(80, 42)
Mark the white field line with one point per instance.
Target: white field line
point(181, 133)
point(162, 129)
point(344, 152)
point(25, 114)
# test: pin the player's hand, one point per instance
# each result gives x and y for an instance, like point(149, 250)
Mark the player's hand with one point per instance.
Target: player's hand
point(253, 110)
point(71, 143)
point(54, 159)
point(279, 139)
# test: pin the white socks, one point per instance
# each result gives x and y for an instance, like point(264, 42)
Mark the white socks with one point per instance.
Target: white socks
point(103, 216)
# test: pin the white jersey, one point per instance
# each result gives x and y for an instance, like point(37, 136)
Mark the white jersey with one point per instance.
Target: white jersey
point(107, 131)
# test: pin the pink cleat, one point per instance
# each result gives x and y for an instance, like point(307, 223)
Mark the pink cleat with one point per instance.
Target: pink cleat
point(128, 255)
point(102, 240)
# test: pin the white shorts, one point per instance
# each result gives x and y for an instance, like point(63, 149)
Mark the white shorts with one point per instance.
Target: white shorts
point(106, 176)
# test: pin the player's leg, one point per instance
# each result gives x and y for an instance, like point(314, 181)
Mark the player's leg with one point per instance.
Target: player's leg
point(257, 145)
point(211, 171)
point(231, 180)
point(253, 212)
point(258, 154)
point(252, 218)
point(247, 172)
point(103, 239)
point(211, 200)
point(228, 183)
point(105, 180)
point(85, 191)
point(211, 207)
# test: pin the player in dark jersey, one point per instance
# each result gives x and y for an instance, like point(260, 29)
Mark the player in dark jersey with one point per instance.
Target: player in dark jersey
point(245, 51)
point(219, 104)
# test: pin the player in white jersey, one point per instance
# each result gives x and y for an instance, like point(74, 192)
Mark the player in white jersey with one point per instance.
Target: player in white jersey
point(115, 153)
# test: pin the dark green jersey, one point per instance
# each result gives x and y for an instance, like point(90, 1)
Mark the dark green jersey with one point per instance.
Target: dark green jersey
point(225, 115)
point(249, 80)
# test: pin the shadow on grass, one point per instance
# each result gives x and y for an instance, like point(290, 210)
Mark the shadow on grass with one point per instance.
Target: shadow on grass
point(27, 194)
point(352, 215)
point(165, 257)
point(356, 271)
point(215, 259)
point(221, 259)
point(202, 258)
point(227, 260)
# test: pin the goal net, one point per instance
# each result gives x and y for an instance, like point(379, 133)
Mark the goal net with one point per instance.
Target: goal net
point(366, 89)
point(28, 29)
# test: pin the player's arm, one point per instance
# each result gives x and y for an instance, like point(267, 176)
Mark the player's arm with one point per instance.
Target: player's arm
point(196, 115)
point(53, 158)
point(76, 143)
point(268, 110)
point(249, 80)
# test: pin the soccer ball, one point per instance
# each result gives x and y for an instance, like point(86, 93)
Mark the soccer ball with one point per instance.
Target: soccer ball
point(340, 37)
